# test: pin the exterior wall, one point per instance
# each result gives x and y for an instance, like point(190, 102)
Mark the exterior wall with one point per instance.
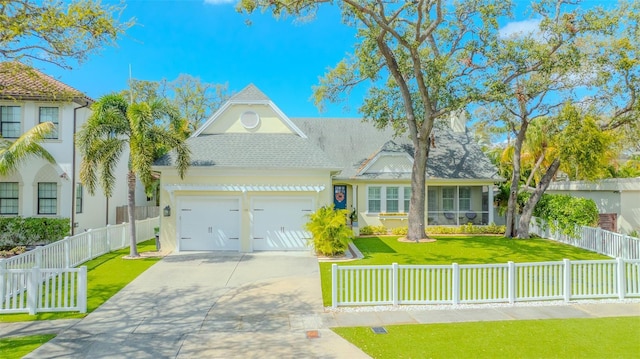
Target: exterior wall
point(620, 196)
point(629, 219)
point(96, 207)
point(228, 122)
point(169, 226)
point(432, 218)
point(391, 164)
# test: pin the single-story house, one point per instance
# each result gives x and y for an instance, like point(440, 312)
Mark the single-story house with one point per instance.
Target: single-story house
point(256, 174)
point(618, 200)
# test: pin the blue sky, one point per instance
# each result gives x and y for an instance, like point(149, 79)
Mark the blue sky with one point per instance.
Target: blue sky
point(210, 40)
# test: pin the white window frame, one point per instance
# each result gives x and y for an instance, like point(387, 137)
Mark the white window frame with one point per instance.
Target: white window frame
point(391, 200)
point(41, 198)
point(400, 199)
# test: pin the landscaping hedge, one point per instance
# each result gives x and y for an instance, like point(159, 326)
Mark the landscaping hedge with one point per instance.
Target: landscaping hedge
point(20, 231)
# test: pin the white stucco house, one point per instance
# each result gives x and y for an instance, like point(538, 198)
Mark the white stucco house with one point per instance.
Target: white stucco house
point(256, 174)
point(40, 189)
point(617, 197)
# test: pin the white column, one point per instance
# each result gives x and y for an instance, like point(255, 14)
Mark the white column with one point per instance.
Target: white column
point(490, 204)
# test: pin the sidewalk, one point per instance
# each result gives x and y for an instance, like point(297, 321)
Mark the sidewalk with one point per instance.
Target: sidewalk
point(373, 317)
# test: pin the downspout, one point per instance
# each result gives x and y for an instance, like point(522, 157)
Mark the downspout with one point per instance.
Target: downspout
point(73, 171)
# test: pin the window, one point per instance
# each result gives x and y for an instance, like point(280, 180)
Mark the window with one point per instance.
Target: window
point(10, 119)
point(448, 196)
point(9, 198)
point(50, 114)
point(375, 199)
point(392, 199)
point(47, 198)
point(464, 198)
point(432, 199)
point(79, 198)
point(407, 198)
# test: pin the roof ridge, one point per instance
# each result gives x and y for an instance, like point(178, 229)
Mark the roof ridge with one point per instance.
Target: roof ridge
point(249, 93)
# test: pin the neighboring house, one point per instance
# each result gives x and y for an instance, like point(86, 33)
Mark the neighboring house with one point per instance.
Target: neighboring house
point(618, 200)
point(255, 175)
point(38, 188)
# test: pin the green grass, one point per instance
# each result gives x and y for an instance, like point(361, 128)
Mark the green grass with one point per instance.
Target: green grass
point(455, 249)
point(106, 275)
point(553, 338)
point(19, 347)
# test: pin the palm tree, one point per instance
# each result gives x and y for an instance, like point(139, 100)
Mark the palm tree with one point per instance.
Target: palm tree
point(14, 152)
point(115, 125)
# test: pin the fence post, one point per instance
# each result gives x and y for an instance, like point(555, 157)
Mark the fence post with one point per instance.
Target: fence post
point(567, 279)
point(67, 252)
point(3, 270)
point(626, 243)
point(334, 285)
point(82, 289)
point(90, 242)
point(512, 282)
point(456, 284)
point(394, 274)
point(33, 282)
point(38, 256)
point(599, 240)
point(124, 234)
point(622, 288)
point(108, 236)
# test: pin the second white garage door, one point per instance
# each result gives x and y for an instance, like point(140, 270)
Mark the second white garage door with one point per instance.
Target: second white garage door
point(278, 223)
point(208, 223)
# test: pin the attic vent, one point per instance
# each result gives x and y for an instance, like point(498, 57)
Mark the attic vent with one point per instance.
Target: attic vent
point(249, 119)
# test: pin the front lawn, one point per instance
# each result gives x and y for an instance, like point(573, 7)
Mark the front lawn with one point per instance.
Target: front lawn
point(19, 347)
point(554, 338)
point(458, 249)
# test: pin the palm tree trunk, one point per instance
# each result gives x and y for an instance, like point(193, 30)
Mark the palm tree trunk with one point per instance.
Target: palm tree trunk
point(131, 199)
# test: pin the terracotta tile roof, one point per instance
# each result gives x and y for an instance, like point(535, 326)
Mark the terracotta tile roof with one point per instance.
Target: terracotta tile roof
point(19, 81)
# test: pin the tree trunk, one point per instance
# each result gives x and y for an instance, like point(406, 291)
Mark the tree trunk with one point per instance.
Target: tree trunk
point(527, 211)
point(418, 176)
point(131, 200)
point(512, 205)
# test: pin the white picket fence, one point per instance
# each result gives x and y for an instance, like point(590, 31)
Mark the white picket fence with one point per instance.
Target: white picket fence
point(611, 244)
point(484, 283)
point(45, 280)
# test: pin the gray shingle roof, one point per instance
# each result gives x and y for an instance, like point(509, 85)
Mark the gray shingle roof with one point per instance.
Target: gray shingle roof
point(277, 151)
point(249, 94)
point(352, 142)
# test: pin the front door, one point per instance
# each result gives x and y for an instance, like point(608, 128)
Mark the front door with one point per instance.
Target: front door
point(340, 197)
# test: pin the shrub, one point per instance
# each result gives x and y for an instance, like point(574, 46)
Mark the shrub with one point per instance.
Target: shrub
point(329, 229)
point(400, 231)
point(564, 213)
point(367, 230)
point(20, 231)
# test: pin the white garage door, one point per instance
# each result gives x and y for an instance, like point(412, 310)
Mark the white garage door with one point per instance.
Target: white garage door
point(208, 224)
point(278, 223)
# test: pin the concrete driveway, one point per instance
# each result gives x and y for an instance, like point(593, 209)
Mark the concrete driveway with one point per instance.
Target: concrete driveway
point(211, 305)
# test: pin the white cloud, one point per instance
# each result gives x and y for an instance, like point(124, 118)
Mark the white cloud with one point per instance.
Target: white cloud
point(520, 28)
point(219, 2)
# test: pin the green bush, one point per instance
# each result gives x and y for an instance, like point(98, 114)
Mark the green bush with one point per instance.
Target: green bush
point(368, 230)
point(400, 231)
point(463, 229)
point(329, 229)
point(563, 212)
point(20, 231)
